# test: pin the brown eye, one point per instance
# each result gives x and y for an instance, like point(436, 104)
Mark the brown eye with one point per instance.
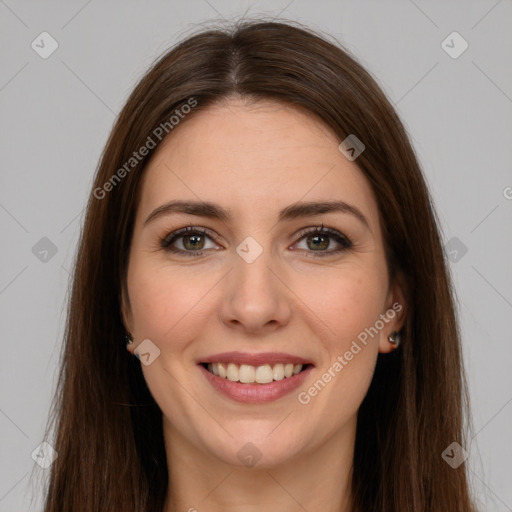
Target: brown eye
point(192, 241)
point(320, 239)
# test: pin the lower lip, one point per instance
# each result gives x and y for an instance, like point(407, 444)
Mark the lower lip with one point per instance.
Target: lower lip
point(256, 393)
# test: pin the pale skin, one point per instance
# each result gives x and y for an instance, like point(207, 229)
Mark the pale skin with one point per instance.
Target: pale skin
point(254, 160)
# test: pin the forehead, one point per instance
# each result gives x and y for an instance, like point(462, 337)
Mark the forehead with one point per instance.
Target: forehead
point(250, 157)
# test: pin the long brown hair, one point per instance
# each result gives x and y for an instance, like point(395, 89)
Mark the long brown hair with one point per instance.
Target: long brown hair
point(108, 428)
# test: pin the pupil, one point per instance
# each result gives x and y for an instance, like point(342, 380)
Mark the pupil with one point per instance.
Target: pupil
point(194, 243)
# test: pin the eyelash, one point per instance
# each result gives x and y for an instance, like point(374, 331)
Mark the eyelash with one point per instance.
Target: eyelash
point(166, 242)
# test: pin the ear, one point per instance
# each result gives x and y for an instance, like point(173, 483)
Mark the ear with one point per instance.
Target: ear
point(394, 314)
point(126, 311)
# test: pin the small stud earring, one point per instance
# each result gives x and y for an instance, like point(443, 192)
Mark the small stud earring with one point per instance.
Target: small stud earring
point(128, 339)
point(395, 338)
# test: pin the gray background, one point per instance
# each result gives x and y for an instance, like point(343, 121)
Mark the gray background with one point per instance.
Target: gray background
point(56, 114)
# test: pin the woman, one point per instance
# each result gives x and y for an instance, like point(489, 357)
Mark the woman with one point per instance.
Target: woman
point(261, 314)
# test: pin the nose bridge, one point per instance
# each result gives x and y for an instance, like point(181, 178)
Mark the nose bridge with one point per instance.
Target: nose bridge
point(253, 262)
point(255, 296)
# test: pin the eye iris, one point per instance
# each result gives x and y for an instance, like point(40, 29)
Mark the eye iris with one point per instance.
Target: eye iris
point(197, 240)
point(317, 237)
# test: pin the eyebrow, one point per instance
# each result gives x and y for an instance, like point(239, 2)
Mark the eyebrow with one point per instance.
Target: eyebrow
point(294, 211)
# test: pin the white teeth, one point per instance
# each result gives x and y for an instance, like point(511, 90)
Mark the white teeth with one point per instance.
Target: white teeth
point(288, 370)
point(278, 372)
point(264, 374)
point(248, 374)
point(222, 369)
point(233, 373)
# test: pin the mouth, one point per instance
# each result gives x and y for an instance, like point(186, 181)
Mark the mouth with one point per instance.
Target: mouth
point(250, 374)
point(255, 378)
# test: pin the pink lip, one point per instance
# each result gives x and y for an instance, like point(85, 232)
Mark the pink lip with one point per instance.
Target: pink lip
point(255, 393)
point(254, 359)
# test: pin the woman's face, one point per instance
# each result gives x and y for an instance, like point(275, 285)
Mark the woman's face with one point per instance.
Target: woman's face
point(252, 287)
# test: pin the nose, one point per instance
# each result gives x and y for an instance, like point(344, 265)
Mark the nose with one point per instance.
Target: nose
point(255, 297)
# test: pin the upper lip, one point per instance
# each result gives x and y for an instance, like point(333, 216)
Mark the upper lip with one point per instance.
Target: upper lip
point(255, 359)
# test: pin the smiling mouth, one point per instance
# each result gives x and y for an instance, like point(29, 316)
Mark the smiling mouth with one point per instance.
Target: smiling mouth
point(248, 374)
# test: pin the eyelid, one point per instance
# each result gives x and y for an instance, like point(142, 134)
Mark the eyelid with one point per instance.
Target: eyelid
point(174, 235)
point(338, 236)
point(319, 229)
point(342, 239)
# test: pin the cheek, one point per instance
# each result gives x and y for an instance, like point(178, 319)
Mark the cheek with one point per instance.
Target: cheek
point(349, 306)
point(349, 301)
point(164, 306)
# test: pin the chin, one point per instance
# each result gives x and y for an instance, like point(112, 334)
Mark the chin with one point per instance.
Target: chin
point(256, 450)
